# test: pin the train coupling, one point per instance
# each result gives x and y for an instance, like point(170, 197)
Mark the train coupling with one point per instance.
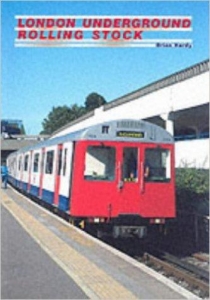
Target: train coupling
point(129, 231)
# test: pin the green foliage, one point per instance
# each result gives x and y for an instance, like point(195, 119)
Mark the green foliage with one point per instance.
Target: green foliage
point(62, 115)
point(196, 180)
point(93, 101)
point(192, 189)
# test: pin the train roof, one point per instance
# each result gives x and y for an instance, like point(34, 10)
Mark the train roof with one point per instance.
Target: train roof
point(125, 130)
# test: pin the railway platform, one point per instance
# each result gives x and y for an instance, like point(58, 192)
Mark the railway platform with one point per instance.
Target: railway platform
point(74, 264)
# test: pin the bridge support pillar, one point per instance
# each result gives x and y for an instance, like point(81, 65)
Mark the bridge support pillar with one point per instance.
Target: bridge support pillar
point(169, 122)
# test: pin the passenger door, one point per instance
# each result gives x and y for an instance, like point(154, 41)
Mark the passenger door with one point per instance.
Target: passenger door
point(129, 182)
point(58, 174)
point(147, 180)
point(41, 173)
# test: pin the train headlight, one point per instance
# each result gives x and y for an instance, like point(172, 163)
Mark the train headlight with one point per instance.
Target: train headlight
point(157, 221)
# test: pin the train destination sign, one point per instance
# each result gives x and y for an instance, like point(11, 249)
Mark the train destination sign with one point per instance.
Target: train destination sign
point(130, 134)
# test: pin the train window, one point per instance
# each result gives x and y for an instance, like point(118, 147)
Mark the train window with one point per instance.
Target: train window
point(60, 151)
point(26, 162)
point(130, 158)
point(157, 165)
point(14, 164)
point(42, 162)
point(100, 163)
point(64, 162)
point(49, 162)
point(19, 163)
point(36, 163)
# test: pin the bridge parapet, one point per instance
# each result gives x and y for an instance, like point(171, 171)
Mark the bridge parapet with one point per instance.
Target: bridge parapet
point(165, 82)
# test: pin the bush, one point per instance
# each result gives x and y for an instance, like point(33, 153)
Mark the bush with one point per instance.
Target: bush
point(192, 190)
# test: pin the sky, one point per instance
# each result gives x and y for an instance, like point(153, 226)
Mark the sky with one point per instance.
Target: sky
point(34, 80)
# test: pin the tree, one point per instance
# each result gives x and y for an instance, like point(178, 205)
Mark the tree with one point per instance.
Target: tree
point(93, 101)
point(60, 116)
point(77, 111)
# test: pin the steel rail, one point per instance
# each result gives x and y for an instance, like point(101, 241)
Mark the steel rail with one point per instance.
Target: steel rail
point(201, 257)
point(187, 266)
point(178, 273)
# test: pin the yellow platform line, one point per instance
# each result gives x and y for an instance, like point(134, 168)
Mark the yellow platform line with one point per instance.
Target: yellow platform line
point(91, 279)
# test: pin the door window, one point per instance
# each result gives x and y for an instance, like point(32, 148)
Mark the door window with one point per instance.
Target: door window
point(36, 163)
point(64, 162)
point(49, 162)
point(157, 165)
point(26, 162)
point(60, 151)
point(20, 163)
point(130, 158)
point(100, 163)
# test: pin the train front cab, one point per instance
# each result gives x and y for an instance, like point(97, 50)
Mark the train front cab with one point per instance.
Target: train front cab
point(128, 185)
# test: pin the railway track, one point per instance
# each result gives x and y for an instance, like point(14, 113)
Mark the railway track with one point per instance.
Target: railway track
point(199, 272)
point(192, 277)
point(201, 257)
point(185, 273)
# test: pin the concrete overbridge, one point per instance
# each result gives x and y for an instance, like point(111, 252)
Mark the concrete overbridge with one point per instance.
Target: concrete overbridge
point(179, 103)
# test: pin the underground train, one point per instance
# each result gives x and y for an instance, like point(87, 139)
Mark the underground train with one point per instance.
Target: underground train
point(117, 177)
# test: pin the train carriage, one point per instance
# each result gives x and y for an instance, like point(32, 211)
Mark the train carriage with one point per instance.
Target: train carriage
point(117, 176)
